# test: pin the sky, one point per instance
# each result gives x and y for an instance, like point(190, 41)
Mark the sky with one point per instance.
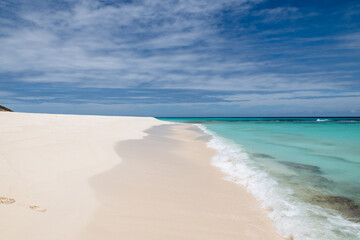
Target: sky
point(181, 58)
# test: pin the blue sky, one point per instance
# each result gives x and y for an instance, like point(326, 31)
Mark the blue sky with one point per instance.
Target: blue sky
point(181, 58)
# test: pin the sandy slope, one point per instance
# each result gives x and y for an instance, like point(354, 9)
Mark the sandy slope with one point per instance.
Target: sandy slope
point(65, 177)
point(45, 164)
point(165, 188)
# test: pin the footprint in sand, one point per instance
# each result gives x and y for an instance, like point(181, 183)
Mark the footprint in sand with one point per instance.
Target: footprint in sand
point(5, 200)
point(37, 208)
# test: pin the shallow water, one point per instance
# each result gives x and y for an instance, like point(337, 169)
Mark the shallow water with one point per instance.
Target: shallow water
point(306, 170)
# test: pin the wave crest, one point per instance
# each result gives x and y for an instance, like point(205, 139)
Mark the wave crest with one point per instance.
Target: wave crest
point(292, 218)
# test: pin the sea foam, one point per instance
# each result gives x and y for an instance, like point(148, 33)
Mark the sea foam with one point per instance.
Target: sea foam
point(292, 218)
point(322, 120)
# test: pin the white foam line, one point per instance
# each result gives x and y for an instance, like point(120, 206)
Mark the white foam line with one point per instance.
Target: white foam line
point(291, 217)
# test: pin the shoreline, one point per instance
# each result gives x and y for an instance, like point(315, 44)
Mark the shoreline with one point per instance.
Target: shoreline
point(299, 208)
point(176, 193)
point(96, 177)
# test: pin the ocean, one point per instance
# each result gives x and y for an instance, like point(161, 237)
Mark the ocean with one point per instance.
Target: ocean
point(306, 171)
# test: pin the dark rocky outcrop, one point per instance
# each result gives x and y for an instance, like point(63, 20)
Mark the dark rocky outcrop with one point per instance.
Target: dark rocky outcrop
point(5, 109)
point(311, 168)
point(348, 207)
point(262, 155)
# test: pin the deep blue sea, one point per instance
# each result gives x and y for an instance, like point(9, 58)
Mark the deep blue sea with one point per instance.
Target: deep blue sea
point(306, 171)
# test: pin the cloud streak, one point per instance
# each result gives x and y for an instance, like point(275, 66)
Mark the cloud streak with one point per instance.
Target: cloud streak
point(198, 47)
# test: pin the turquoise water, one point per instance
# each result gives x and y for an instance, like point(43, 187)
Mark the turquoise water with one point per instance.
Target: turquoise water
point(305, 170)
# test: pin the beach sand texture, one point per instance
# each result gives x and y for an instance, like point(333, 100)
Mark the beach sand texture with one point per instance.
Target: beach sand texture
point(94, 177)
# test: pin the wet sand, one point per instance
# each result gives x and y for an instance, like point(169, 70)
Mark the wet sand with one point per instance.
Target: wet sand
point(166, 188)
point(94, 177)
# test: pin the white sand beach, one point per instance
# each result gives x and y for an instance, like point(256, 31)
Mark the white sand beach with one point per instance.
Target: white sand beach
point(95, 177)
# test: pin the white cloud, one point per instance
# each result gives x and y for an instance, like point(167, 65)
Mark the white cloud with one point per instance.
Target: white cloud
point(278, 14)
point(5, 94)
point(350, 41)
point(286, 96)
point(108, 46)
point(158, 44)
